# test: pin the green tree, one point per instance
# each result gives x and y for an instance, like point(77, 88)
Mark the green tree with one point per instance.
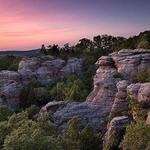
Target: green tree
point(5, 112)
point(28, 137)
point(144, 44)
point(5, 129)
point(137, 136)
point(32, 110)
point(89, 139)
point(54, 50)
point(144, 41)
point(70, 140)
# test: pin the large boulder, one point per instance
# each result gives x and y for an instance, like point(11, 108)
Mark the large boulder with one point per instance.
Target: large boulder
point(10, 92)
point(10, 89)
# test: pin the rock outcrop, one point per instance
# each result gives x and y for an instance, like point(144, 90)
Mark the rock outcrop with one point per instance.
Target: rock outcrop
point(113, 76)
point(115, 130)
point(45, 69)
point(139, 91)
point(10, 89)
point(120, 104)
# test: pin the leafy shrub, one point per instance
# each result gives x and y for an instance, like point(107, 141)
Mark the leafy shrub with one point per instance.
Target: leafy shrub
point(28, 137)
point(5, 112)
point(9, 63)
point(32, 110)
point(143, 76)
point(70, 89)
point(77, 138)
point(114, 141)
point(137, 136)
point(139, 109)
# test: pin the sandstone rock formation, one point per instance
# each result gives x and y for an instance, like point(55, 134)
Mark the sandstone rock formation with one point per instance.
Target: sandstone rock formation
point(111, 81)
point(139, 91)
point(115, 130)
point(120, 104)
point(9, 75)
point(45, 69)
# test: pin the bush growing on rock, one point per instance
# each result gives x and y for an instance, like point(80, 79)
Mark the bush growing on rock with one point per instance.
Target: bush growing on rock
point(142, 76)
point(32, 110)
point(137, 136)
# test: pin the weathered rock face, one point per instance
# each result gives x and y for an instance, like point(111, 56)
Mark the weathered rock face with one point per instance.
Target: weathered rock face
point(47, 69)
point(139, 91)
point(73, 66)
point(116, 128)
point(9, 75)
point(10, 89)
point(128, 62)
point(98, 103)
point(112, 77)
point(120, 104)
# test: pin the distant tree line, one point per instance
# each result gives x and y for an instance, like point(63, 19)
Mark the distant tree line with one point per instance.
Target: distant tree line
point(101, 44)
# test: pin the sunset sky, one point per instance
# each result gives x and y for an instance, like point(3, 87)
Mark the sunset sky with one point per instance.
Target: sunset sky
point(26, 24)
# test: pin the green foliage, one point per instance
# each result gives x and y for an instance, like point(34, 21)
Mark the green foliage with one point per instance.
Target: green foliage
point(34, 95)
point(137, 136)
point(5, 112)
point(87, 136)
point(144, 41)
point(70, 89)
point(28, 137)
point(32, 110)
point(72, 135)
point(53, 50)
point(144, 44)
point(9, 63)
point(77, 138)
point(5, 129)
point(34, 83)
point(14, 122)
point(28, 97)
point(143, 76)
point(22, 133)
point(45, 123)
point(138, 110)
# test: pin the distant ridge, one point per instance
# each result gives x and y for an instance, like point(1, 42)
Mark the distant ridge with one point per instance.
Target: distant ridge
point(20, 53)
